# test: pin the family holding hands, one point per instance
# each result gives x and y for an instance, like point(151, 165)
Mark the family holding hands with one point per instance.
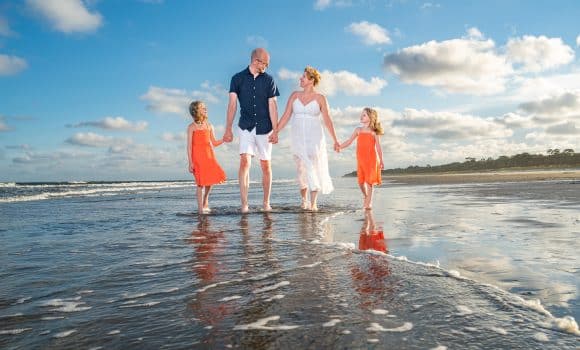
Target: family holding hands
point(258, 129)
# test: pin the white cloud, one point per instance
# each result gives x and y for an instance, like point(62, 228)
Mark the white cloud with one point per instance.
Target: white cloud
point(5, 28)
point(536, 54)
point(450, 126)
point(90, 139)
point(542, 87)
point(578, 40)
point(67, 16)
point(10, 65)
point(468, 65)
point(370, 33)
point(114, 123)
point(564, 128)
point(515, 120)
point(286, 74)
point(474, 33)
point(177, 137)
point(175, 101)
point(561, 105)
point(554, 140)
point(332, 83)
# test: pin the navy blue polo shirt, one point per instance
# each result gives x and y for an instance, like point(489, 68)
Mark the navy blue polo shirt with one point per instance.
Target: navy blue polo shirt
point(253, 95)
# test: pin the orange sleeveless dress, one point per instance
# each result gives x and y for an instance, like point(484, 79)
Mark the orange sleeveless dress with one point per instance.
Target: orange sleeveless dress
point(368, 166)
point(206, 169)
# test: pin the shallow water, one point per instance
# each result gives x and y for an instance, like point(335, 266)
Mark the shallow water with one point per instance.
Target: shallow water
point(135, 268)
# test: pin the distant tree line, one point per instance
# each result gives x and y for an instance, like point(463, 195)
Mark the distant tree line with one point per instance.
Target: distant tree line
point(554, 159)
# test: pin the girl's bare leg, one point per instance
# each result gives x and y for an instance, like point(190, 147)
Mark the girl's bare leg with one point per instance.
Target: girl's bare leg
point(363, 189)
point(206, 198)
point(303, 199)
point(369, 200)
point(199, 194)
point(313, 199)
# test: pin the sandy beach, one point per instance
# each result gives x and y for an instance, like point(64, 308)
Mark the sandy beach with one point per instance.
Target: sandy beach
point(497, 176)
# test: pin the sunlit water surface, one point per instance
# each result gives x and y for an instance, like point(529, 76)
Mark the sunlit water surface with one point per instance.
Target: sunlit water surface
point(130, 266)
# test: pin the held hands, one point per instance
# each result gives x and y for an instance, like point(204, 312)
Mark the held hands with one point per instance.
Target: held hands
point(336, 147)
point(228, 136)
point(273, 138)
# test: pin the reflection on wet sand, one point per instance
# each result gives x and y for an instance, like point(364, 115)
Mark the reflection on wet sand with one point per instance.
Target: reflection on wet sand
point(371, 237)
point(206, 266)
point(370, 276)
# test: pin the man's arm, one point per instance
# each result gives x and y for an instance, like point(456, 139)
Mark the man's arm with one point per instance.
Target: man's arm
point(231, 113)
point(273, 109)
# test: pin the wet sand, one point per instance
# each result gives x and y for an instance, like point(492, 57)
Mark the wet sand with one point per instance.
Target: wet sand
point(487, 177)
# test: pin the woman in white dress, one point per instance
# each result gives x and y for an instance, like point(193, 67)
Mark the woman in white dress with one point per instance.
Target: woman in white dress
point(307, 111)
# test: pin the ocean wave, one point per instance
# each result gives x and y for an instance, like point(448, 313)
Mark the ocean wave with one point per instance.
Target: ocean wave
point(55, 191)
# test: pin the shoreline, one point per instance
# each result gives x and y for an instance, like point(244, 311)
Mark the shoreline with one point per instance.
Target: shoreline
point(483, 177)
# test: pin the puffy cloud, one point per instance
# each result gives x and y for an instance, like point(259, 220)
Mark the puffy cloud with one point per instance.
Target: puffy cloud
point(564, 128)
point(114, 123)
point(67, 16)
point(370, 33)
point(450, 126)
point(536, 54)
point(466, 65)
point(90, 139)
point(515, 120)
point(578, 40)
point(564, 104)
point(177, 101)
point(286, 74)
point(10, 65)
point(344, 82)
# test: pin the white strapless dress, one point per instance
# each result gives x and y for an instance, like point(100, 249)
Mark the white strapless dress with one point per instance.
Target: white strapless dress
point(309, 147)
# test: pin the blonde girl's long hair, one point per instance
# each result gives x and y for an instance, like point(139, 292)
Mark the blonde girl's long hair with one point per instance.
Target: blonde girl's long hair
point(374, 124)
point(195, 113)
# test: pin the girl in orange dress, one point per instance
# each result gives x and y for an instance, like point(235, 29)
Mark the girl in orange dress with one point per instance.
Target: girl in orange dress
point(202, 162)
point(369, 155)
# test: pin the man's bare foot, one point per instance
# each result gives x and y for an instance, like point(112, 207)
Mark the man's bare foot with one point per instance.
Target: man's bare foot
point(314, 208)
point(245, 209)
point(206, 210)
point(304, 204)
point(267, 207)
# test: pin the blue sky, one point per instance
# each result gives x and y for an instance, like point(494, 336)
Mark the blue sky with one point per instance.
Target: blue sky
point(99, 89)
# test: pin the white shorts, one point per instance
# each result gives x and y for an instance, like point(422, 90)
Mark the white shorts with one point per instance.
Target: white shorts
point(255, 145)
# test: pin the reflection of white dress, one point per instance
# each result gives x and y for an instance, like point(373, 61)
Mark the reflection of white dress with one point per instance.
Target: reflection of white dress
point(309, 147)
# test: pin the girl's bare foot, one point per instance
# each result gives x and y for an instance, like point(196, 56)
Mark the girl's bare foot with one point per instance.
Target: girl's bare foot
point(267, 207)
point(304, 205)
point(314, 208)
point(245, 209)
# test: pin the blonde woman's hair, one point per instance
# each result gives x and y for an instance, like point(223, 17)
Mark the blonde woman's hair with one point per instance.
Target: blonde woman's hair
point(374, 124)
point(195, 113)
point(312, 74)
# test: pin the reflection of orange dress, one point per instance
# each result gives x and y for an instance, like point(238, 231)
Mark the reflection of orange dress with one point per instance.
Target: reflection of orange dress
point(372, 240)
point(206, 169)
point(368, 166)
